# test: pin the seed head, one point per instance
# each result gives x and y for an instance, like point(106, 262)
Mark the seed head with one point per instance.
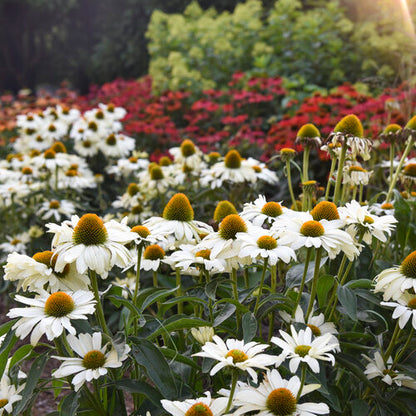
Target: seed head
point(350, 125)
point(233, 159)
point(325, 210)
point(90, 230)
point(223, 209)
point(178, 209)
point(231, 225)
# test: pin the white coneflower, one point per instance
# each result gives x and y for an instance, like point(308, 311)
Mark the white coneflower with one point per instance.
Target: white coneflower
point(91, 244)
point(262, 212)
point(356, 175)
point(177, 223)
point(56, 209)
point(95, 362)
point(203, 334)
point(299, 347)
point(237, 354)
point(395, 281)
point(188, 154)
point(117, 145)
point(9, 394)
point(404, 309)
point(152, 257)
point(202, 406)
point(50, 314)
point(276, 396)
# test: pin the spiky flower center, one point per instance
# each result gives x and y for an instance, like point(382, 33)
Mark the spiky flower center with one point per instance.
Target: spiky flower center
point(141, 230)
point(267, 242)
point(214, 156)
point(187, 148)
point(233, 159)
point(391, 373)
point(59, 147)
point(99, 115)
point(49, 154)
point(231, 225)
point(156, 173)
point(93, 359)
point(27, 170)
point(315, 330)
point(54, 204)
point(86, 143)
point(308, 131)
point(205, 254)
point(238, 356)
point(178, 209)
point(387, 205)
point(312, 229)
point(272, 209)
point(223, 209)
point(350, 125)
point(154, 252)
point(90, 230)
point(281, 402)
point(92, 125)
point(302, 350)
point(287, 151)
point(52, 128)
point(137, 209)
point(110, 108)
point(392, 128)
point(15, 241)
point(165, 161)
point(368, 220)
point(356, 168)
point(199, 409)
point(133, 189)
point(408, 266)
point(30, 131)
point(412, 303)
point(325, 210)
point(256, 168)
point(411, 124)
point(133, 159)
point(3, 403)
point(71, 173)
point(59, 304)
point(410, 169)
point(111, 140)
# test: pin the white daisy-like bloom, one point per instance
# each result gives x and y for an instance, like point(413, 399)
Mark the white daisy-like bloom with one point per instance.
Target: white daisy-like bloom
point(144, 237)
point(203, 334)
point(395, 281)
point(356, 175)
point(17, 243)
point(51, 160)
point(188, 154)
point(377, 367)
point(384, 208)
point(13, 192)
point(53, 130)
point(156, 180)
point(56, 210)
point(404, 309)
point(299, 347)
point(152, 257)
point(177, 223)
point(233, 169)
point(128, 285)
point(9, 394)
point(202, 406)
point(197, 256)
point(112, 112)
point(87, 147)
point(91, 244)
point(236, 353)
point(67, 115)
point(262, 172)
point(117, 145)
point(51, 314)
point(277, 396)
point(261, 212)
point(261, 244)
point(130, 198)
point(316, 323)
point(359, 219)
point(127, 167)
point(95, 362)
point(37, 273)
point(303, 231)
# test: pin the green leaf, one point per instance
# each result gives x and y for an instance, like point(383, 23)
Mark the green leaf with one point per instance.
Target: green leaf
point(119, 300)
point(138, 386)
point(360, 283)
point(348, 300)
point(229, 301)
point(224, 314)
point(20, 354)
point(192, 299)
point(249, 326)
point(325, 284)
point(156, 366)
point(359, 408)
point(294, 274)
point(70, 404)
point(178, 322)
point(211, 288)
point(31, 382)
point(155, 297)
point(5, 349)
point(174, 355)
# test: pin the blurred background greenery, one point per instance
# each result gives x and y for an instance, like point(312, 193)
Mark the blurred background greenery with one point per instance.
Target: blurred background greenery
point(194, 46)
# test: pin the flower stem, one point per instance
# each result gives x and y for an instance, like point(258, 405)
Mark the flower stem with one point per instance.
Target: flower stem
point(99, 310)
point(399, 168)
point(289, 184)
point(314, 282)
point(331, 172)
point(302, 381)
point(232, 391)
point(235, 294)
point(260, 289)
point(179, 290)
point(389, 349)
point(302, 284)
point(305, 175)
point(399, 355)
point(340, 171)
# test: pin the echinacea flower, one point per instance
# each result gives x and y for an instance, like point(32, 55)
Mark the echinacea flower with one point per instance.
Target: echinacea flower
point(95, 362)
point(91, 244)
point(299, 347)
point(395, 281)
point(236, 354)
point(9, 394)
point(202, 406)
point(203, 334)
point(377, 367)
point(260, 211)
point(276, 396)
point(404, 309)
point(50, 314)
